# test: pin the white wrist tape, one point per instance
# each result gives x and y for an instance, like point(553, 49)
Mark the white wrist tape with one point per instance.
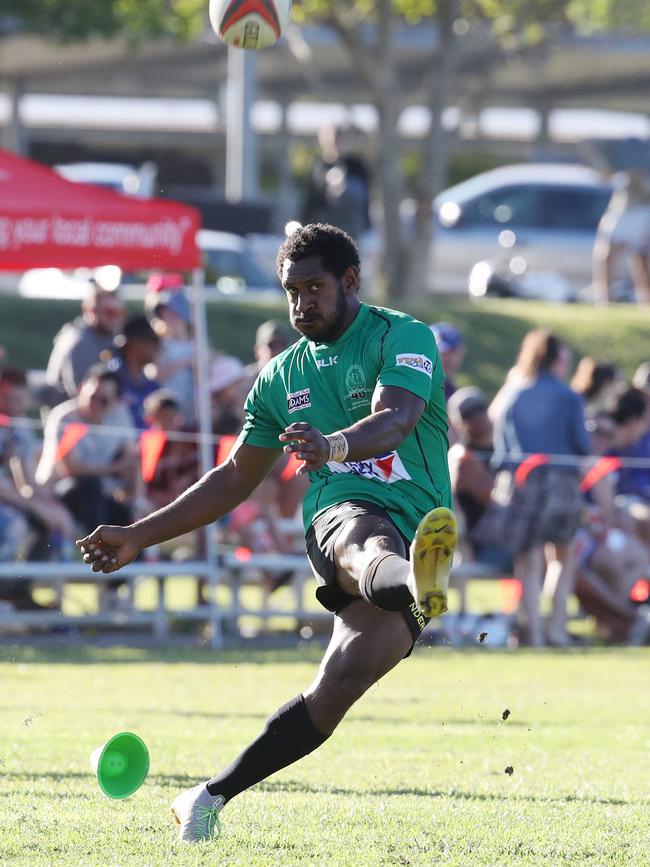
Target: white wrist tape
point(338, 447)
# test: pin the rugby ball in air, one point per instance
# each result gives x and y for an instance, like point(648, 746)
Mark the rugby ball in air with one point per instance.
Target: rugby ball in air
point(251, 24)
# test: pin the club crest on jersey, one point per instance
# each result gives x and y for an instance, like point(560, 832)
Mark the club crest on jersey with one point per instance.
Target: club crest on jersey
point(299, 400)
point(385, 468)
point(415, 362)
point(355, 384)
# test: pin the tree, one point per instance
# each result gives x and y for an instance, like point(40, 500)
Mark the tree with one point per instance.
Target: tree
point(368, 29)
point(72, 20)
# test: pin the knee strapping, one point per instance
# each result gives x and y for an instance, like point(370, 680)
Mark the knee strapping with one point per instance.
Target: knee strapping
point(384, 582)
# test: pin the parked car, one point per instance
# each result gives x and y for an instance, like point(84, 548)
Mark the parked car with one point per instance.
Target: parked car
point(129, 180)
point(232, 269)
point(535, 221)
point(233, 266)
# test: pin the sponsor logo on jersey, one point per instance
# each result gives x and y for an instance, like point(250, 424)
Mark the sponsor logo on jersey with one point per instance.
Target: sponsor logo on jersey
point(385, 468)
point(327, 362)
point(298, 400)
point(416, 362)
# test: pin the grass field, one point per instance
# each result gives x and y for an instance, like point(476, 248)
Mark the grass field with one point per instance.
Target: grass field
point(415, 775)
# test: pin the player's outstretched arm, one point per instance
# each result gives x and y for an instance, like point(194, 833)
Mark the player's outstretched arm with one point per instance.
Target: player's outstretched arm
point(395, 412)
point(108, 548)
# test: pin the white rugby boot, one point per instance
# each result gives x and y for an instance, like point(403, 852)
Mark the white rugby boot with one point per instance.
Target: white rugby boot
point(196, 812)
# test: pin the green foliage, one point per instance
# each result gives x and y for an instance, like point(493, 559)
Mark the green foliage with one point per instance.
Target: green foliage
point(80, 19)
point(414, 776)
point(493, 330)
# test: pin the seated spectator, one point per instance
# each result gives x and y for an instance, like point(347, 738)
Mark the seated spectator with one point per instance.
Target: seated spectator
point(90, 455)
point(597, 382)
point(170, 314)
point(631, 443)
point(631, 417)
point(33, 524)
point(541, 499)
point(472, 476)
point(451, 347)
point(611, 558)
point(177, 467)
point(228, 386)
point(80, 344)
point(134, 357)
point(271, 338)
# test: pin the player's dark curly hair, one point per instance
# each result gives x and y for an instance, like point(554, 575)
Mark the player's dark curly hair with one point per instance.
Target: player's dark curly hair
point(337, 250)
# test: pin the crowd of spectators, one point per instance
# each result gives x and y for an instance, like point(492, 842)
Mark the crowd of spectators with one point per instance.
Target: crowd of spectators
point(552, 486)
point(551, 478)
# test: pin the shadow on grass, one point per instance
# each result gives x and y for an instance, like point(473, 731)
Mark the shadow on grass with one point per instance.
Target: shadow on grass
point(92, 655)
point(294, 788)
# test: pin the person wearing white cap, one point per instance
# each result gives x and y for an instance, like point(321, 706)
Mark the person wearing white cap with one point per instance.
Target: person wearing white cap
point(170, 315)
point(227, 380)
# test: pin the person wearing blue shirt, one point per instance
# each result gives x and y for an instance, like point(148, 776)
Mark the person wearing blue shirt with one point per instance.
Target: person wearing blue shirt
point(540, 496)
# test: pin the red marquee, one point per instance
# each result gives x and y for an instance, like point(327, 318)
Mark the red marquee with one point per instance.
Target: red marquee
point(48, 221)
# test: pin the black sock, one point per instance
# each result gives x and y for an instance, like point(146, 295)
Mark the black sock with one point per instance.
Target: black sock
point(384, 583)
point(288, 736)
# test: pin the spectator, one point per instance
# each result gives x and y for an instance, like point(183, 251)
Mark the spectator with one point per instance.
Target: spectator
point(136, 352)
point(624, 230)
point(32, 523)
point(81, 343)
point(177, 466)
point(90, 455)
point(271, 338)
point(611, 558)
point(451, 347)
point(339, 184)
point(541, 504)
point(170, 314)
point(597, 382)
point(228, 383)
point(472, 476)
point(631, 442)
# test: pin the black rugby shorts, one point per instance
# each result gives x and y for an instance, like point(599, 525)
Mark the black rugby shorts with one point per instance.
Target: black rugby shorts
point(320, 540)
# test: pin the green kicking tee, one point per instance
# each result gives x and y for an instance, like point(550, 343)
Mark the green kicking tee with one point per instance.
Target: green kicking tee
point(330, 386)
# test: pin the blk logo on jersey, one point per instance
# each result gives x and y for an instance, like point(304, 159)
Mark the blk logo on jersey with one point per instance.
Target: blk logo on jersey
point(298, 400)
point(415, 362)
point(385, 468)
point(327, 362)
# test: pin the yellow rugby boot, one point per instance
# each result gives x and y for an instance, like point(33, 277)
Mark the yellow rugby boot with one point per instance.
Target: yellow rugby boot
point(432, 552)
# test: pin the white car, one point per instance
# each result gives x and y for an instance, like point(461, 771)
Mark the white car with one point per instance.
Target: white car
point(535, 221)
point(138, 181)
point(233, 266)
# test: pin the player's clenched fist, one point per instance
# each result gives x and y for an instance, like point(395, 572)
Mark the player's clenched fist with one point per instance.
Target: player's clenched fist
point(108, 548)
point(308, 445)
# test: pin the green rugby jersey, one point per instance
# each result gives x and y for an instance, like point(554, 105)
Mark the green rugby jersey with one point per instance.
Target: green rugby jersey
point(330, 386)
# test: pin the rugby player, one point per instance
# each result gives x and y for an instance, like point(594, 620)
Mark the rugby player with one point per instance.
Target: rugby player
point(360, 401)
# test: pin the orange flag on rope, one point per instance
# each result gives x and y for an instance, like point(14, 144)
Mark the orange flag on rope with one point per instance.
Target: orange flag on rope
point(603, 467)
point(4, 419)
point(152, 443)
point(72, 434)
point(226, 444)
point(526, 467)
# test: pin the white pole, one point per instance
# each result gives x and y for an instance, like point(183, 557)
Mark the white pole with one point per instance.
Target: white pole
point(206, 454)
point(241, 155)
